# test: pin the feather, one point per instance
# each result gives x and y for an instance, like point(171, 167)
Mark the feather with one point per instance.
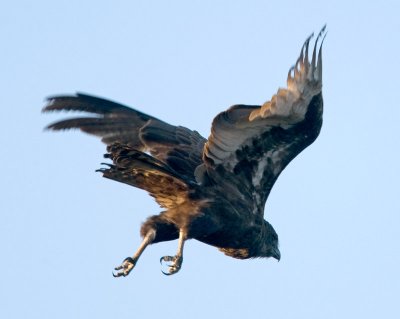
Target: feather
point(116, 123)
point(212, 190)
point(266, 138)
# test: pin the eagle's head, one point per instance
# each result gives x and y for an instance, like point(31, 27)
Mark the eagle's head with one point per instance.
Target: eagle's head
point(270, 243)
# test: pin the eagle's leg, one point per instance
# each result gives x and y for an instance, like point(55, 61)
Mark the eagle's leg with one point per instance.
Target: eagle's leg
point(130, 262)
point(176, 261)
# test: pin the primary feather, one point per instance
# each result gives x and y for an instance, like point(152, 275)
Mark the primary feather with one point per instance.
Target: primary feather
point(213, 190)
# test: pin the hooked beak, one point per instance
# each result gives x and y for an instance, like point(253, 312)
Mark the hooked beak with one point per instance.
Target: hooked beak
point(276, 254)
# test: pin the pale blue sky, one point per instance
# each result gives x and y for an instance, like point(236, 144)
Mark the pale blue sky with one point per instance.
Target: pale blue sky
point(336, 207)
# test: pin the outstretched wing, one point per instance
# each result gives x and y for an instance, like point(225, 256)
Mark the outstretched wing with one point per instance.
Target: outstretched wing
point(176, 146)
point(249, 146)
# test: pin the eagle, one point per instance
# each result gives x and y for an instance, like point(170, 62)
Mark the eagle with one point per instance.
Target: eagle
point(213, 190)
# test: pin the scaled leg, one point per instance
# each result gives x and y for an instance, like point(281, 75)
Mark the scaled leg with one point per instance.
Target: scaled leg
point(176, 261)
point(130, 262)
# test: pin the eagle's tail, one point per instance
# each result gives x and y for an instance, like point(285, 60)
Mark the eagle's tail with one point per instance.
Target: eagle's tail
point(141, 170)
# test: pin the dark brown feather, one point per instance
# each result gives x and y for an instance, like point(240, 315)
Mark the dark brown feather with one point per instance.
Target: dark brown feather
point(116, 123)
point(212, 190)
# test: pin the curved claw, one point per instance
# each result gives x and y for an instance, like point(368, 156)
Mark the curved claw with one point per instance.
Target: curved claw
point(173, 267)
point(166, 259)
point(166, 273)
point(125, 268)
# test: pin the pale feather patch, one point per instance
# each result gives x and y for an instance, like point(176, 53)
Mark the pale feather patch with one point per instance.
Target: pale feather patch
point(303, 82)
point(262, 163)
point(270, 159)
point(235, 128)
point(256, 180)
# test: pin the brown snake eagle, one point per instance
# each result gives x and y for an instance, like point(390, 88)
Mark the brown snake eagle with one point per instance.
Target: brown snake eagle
point(213, 190)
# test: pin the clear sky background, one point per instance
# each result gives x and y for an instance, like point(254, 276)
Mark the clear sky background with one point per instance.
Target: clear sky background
point(336, 207)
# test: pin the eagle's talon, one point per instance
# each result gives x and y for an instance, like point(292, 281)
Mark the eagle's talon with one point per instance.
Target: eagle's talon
point(166, 259)
point(246, 151)
point(125, 268)
point(174, 266)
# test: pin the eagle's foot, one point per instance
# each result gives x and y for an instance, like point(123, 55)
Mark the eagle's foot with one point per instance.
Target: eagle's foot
point(174, 266)
point(125, 268)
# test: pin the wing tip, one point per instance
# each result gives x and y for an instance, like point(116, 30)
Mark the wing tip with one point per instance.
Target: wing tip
point(55, 102)
point(304, 79)
point(306, 69)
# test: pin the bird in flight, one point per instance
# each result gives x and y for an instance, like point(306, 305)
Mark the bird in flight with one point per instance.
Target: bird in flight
point(213, 190)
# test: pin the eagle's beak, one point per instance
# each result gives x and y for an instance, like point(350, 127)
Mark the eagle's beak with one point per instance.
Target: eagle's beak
point(276, 254)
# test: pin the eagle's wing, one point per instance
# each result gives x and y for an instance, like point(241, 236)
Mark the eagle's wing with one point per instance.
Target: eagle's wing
point(178, 147)
point(249, 146)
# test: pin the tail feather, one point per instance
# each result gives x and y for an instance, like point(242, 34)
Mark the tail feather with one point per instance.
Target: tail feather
point(141, 170)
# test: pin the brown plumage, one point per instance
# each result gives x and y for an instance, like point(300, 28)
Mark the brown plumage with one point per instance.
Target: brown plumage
point(211, 190)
